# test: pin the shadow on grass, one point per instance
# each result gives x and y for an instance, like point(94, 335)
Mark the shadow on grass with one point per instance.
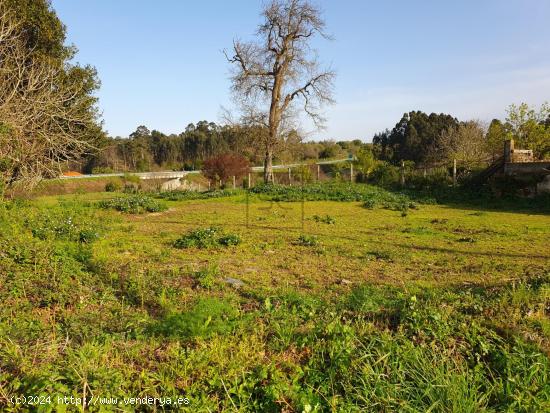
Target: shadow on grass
point(479, 200)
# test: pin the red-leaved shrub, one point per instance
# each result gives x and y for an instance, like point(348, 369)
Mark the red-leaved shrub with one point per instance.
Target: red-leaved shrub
point(223, 167)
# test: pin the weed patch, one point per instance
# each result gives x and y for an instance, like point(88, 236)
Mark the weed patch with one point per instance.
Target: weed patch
point(307, 241)
point(134, 204)
point(326, 219)
point(207, 238)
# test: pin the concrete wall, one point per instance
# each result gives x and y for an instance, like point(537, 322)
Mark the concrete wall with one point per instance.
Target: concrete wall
point(532, 168)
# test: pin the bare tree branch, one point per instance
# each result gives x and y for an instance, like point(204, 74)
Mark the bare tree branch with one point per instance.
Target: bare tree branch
point(279, 72)
point(45, 117)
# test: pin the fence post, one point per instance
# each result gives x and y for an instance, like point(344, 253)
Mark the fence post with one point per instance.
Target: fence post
point(454, 172)
point(209, 185)
point(289, 177)
point(249, 177)
point(318, 171)
point(351, 172)
point(402, 173)
point(233, 181)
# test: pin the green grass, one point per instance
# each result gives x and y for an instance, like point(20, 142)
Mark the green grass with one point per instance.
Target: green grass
point(365, 309)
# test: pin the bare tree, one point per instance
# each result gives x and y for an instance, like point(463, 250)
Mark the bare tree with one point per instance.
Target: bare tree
point(278, 72)
point(44, 118)
point(465, 143)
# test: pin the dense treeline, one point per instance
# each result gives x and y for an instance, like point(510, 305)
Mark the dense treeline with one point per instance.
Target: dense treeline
point(422, 140)
point(147, 150)
point(437, 138)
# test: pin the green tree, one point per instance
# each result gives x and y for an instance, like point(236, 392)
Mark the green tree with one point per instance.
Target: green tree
point(416, 137)
point(365, 163)
point(529, 128)
point(495, 137)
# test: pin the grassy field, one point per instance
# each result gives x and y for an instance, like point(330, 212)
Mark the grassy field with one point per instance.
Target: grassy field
point(379, 303)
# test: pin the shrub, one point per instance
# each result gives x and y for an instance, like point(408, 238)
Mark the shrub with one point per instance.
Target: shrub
point(224, 166)
point(136, 204)
point(369, 203)
point(385, 175)
point(207, 277)
point(112, 186)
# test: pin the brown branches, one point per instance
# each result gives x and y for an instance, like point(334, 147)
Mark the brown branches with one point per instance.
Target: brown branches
point(46, 112)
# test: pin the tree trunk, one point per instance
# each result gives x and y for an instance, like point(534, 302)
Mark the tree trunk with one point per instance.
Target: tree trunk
point(268, 166)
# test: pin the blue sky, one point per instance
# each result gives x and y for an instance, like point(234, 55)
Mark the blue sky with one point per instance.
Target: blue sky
point(161, 62)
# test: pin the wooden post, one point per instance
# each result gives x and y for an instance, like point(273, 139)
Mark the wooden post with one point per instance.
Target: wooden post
point(289, 177)
point(508, 150)
point(247, 202)
point(249, 177)
point(233, 181)
point(209, 185)
point(402, 173)
point(318, 171)
point(351, 172)
point(454, 172)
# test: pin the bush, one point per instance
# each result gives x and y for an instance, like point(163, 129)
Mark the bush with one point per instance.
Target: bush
point(112, 186)
point(385, 175)
point(136, 204)
point(225, 166)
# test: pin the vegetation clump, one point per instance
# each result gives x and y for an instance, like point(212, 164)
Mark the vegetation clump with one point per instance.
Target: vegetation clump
point(190, 195)
point(207, 238)
point(326, 219)
point(112, 186)
point(307, 240)
point(207, 317)
point(331, 191)
point(207, 277)
point(134, 204)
